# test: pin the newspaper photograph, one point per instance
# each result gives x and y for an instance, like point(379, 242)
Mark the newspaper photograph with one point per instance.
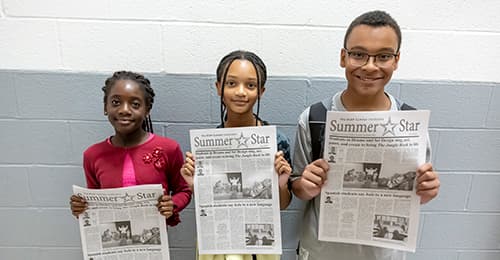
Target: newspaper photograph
point(123, 224)
point(370, 197)
point(236, 190)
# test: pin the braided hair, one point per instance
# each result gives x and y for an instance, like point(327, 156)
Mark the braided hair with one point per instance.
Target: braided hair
point(143, 82)
point(223, 68)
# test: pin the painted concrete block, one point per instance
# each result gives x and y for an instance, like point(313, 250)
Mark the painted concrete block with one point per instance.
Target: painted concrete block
point(422, 254)
point(452, 193)
point(283, 101)
point(101, 46)
point(14, 220)
point(485, 193)
point(182, 253)
point(493, 120)
point(60, 181)
point(439, 16)
point(60, 95)
point(18, 253)
point(182, 98)
point(479, 255)
point(84, 134)
point(57, 228)
point(422, 56)
point(290, 228)
point(35, 48)
point(316, 51)
point(434, 141)
point(14, 187)
point(56, 9)
point(471, 150)
point(453, 105)
point(323, 88)
point(184, 234)
point(8, 99)
point(199, 48)
point(59, 253)
point(39, 142)
point(461, 231)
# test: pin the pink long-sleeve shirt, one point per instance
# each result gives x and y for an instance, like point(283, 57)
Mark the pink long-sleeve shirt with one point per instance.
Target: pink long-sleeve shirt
point(158, 160)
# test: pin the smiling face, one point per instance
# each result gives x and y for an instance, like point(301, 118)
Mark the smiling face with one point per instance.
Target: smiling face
point(241, 89)
point(369, 80)
point(126, 108)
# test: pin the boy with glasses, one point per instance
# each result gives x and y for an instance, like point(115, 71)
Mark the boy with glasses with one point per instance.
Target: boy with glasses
point(369, 57)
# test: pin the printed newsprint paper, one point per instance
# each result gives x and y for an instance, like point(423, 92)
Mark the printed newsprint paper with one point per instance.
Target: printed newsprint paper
point(236, 190)
point(123, 223)
point(370, 197)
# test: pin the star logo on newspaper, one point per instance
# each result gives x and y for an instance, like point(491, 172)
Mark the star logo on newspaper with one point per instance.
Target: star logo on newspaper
point(127, 198)
point(389, 127)
point(242, 141)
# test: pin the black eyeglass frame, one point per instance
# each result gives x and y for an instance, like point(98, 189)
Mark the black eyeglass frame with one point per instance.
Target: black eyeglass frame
point(349, 52)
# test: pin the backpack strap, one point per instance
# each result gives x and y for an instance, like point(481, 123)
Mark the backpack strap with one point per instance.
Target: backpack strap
point(405, 106)
point(317, 118)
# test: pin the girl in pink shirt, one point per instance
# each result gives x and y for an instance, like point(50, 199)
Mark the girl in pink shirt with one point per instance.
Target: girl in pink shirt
point(134, 155)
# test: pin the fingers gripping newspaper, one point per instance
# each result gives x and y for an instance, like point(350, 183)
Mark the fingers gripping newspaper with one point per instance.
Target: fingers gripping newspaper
point(370, 197)
point(123, 223)
point(236, 190)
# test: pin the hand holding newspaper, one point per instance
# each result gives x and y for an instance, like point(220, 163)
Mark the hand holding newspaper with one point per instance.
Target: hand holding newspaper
point(123, 223)
point(370, 197)
point(236, 190)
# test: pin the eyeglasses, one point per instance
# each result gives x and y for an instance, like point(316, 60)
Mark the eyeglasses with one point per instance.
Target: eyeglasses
point(359, 58)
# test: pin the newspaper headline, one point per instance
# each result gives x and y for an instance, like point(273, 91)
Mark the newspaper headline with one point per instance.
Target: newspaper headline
point(236, 194)
point(123, 223)
point(370, 197)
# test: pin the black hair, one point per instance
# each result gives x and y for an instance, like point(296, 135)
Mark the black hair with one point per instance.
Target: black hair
point(143, 82)
point(376, 19)
point(223, 68)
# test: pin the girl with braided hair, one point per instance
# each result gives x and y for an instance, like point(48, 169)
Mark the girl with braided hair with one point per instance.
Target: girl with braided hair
point(241, 78)
point(134, 155)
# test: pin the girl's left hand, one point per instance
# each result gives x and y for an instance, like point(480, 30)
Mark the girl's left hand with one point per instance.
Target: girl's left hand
point(165, 206)
point(282, 167)
point(427, 183)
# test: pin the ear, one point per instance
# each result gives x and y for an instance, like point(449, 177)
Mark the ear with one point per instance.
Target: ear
point(262, 90)
point(105, 110)
point(343, 55)
point(396, 61)
point(219, 88)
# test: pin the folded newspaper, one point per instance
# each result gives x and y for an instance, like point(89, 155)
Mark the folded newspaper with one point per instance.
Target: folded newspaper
point(236, 190)
point(123, 223)
point(370, 197)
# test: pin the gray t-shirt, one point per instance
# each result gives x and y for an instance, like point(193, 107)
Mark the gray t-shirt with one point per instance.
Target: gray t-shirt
point(310, 247)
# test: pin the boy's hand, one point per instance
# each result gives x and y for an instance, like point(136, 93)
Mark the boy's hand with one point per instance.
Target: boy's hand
point(78, 205)
point(314, 177)
point(165, 206)
point(427, 183)
point(282, 167)
point(187, 170)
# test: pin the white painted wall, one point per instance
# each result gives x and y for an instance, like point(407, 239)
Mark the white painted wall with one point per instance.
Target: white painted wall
point(442, 40)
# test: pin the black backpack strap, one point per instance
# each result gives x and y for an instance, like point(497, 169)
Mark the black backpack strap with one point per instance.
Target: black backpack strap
point(317, 118)
point(405, 106)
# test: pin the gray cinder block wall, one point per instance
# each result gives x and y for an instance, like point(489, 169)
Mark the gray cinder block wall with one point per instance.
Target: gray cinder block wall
point(48, 118)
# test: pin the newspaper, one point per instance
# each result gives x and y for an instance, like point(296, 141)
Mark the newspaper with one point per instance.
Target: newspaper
point(236, 190)
point(370, 197)
point(123, 224)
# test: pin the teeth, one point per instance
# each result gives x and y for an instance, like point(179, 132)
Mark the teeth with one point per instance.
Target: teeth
point(367, 79)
